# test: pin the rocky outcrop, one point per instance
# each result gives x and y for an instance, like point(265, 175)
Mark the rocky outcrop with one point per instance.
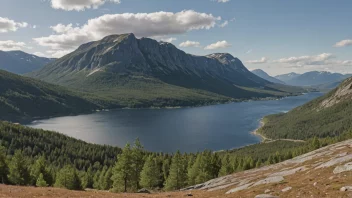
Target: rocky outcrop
point(314, 163)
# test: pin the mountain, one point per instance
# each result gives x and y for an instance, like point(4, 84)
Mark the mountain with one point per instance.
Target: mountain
point(24, 98)
point(327, 116)
point(312, 78)
point(19, 62)
point(266, 76)
point(144, 72)
point(287, 77)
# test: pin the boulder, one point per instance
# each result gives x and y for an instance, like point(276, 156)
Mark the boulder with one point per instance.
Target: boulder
point(344, 168)
point(143, 190)
point(346, 188)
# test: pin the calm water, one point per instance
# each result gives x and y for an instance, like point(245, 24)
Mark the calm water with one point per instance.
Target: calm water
point(187, 129)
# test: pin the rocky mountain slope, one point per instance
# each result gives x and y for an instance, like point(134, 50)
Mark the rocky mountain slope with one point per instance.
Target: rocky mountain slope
point(325, 172)
point(19, 62)
point(329, 115)
point(22, 97)
point(147, 71)
point(313, 78)
point(266, 76)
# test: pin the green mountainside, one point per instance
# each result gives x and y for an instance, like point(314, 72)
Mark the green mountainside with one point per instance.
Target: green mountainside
point(327, 116)
point(144, 72)
point(23, 98)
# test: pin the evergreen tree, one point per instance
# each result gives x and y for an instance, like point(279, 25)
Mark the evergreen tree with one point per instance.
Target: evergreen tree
point(226, 167)
point(68, 178)
point(137, 162)
point(4, 169)
point(41, 181)
point(107, 182)
point(315, 143)
point(205, 168)
point(150, 174)
point(40, 167)
point(87, 179)
point(177, 176)
point(193, 172)
point(102, 177)
point(215, 164)
point(123, 171)
point(18, 172)
point(166, 168)
point(96, 177)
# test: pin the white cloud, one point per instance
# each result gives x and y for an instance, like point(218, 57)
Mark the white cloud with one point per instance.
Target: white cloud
point(79, 5)
point(169, 40)
point(58, 53)
point(224, 24)
point(261, 61)
point(190, 44)
point(343, 43)
point(10, 45)
point(40, 54)
point(8, 25)
point(218, 45)
point(156, 24)
point(324, 59)
point(222, 1)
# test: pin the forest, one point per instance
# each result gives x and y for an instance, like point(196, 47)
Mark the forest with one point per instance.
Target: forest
point(35, 157)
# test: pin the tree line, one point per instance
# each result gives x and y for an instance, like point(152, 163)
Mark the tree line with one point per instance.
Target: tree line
point(28, 157)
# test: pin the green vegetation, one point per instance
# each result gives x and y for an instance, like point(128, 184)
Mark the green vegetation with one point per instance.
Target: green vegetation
point(314, 119)
point(43, 158)
point(24, 98)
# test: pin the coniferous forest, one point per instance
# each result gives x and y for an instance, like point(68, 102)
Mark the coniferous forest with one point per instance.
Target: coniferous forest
point(34, 157)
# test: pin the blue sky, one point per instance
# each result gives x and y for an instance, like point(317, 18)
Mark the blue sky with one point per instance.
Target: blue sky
point(276, 36)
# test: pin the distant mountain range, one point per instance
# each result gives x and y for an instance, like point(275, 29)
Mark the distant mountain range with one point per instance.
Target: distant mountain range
point(313, 78)
point(19, 62)
point(144, 72)
point(266, 76)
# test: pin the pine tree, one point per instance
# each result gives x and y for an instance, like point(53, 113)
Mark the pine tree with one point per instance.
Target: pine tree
point(226, 167)
point(215, 164)
point(123, 171)
point(315, 143)
point(18, 172)
point(177, 176)
point(150, 174)
point(87, 179)
point(96, 177)
point(4, 169)
point(166, 168)
point(204, 168)
point(68, 178)
point(107, 182)
point(102, 177)
point(137, 162)
point(39, 167)
point(41, 181)
point(193, 172)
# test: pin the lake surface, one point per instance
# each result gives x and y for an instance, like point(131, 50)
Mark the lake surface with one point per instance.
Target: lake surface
point(214, 127)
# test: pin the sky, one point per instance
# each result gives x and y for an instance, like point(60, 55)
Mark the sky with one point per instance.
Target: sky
point(276, 36)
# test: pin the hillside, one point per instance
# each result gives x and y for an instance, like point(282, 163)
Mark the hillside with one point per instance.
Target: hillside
point(313, 78)
point(22, 98)
point(321, 173)
point(266, 76)
point(144, 72)
point(329, 115)
point(19, 62)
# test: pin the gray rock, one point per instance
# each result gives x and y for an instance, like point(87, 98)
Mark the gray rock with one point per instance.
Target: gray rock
point(143, 190)
point(289, 172)
point(267, 191)
point(244, 187)
point(286, 189)
point(266, 196)
point(269, 180)
point(335, 161)
point(344, 168)
point(346, 188)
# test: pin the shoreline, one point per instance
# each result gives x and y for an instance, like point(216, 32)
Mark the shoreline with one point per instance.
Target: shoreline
point(256, 132)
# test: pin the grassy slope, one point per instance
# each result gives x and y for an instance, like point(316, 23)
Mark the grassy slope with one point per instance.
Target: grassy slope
point(22, 98)
point(311, 119)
